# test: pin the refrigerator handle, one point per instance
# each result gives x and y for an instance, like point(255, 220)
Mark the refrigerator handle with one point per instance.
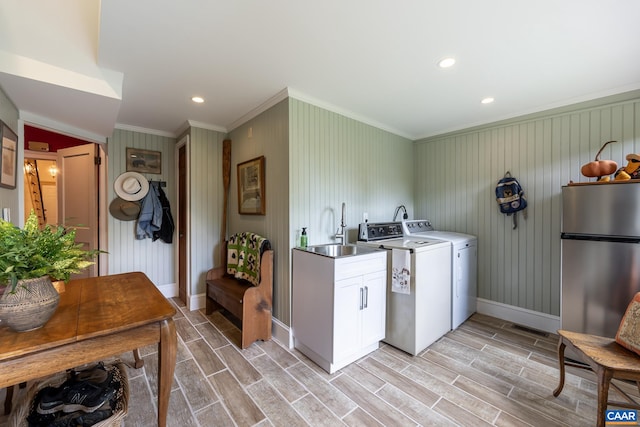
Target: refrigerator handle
point(592, 238)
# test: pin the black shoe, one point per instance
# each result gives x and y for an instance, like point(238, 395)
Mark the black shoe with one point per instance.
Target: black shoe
point(51, 399)
point(87, 396)
point(40, 420)
point(82, 419)
point(76, 395)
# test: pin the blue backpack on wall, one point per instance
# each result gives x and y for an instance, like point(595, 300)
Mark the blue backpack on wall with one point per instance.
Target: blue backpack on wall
point(510, 197)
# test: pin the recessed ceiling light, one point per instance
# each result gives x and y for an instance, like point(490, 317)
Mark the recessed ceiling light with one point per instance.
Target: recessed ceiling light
point(198, 99)
point(446, 62)
point(487, 100)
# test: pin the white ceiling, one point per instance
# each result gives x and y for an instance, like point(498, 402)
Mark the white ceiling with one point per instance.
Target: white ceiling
point(90, 65)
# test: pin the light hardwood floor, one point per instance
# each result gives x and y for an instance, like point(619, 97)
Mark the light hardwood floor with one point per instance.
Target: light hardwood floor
point(486, 372)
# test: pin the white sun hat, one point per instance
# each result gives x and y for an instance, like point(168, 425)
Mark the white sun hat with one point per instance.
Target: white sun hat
point(131, 186)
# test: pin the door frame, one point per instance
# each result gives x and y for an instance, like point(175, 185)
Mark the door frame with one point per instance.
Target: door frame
point(103, 235)
point(183, 142)
point(103, 267)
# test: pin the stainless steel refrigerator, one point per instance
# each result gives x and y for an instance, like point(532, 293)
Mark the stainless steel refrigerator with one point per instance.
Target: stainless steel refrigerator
point(600, 255)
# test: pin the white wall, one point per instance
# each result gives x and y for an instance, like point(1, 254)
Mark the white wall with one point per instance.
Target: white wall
point(9, 198)
point(205, 205)
point(155, 259)
point(270, 138)
point(315, 160)
point(455, 181)
point(335, 159)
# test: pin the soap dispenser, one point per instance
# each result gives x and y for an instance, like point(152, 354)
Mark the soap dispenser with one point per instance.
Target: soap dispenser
point(303, 238)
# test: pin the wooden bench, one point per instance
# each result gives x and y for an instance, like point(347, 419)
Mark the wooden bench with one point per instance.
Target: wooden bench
point(251, 304)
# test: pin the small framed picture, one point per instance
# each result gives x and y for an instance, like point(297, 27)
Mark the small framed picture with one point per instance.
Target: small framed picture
point(251, 198)
point(144, 161)
point(8, 157)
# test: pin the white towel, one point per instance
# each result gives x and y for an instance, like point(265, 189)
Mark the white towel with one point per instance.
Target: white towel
point(400, 271)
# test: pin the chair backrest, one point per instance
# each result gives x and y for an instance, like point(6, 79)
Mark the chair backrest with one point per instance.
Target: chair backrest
point(628, 334)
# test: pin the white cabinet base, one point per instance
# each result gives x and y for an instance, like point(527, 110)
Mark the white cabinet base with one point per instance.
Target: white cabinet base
point(339, 364)
point(339, 306)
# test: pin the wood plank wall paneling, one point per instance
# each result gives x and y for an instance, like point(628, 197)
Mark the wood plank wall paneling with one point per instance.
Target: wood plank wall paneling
point(315, 160)
point(335, 159)
point(269, 138)
point(455, 181)
point(205, 207)
point(156, 259)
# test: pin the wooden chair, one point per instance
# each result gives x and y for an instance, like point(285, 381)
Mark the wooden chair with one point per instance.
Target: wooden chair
point(607, 359)
point(251, 304)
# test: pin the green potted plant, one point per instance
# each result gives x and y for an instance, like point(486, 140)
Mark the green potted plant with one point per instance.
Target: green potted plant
point(30, 259)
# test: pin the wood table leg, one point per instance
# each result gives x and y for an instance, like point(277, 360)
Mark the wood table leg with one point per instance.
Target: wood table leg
point(167, 350)
point(8, 400)
point(561, 346)
point(139, 363)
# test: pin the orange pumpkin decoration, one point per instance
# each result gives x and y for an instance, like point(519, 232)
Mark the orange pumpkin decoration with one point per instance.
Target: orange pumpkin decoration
point(599, 168)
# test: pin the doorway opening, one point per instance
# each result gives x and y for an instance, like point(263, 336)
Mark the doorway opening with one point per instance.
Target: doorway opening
point(40, 190)
point(62, 178)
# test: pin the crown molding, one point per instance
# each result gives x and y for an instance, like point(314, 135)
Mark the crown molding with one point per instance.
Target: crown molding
point(595, 100)
point(145, 130)
point(346, 113)
point(201, 125)
point(278, 97)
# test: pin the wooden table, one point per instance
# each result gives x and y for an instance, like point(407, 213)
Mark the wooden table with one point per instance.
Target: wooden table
point(97, 318)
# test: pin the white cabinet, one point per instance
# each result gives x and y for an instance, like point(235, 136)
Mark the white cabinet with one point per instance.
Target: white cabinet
point(359, 313)
point(339, 306)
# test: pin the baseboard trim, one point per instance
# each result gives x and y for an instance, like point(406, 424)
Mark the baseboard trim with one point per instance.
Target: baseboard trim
point(522, 316)
point(196, 302)
point(280, 332)
point(169, 291)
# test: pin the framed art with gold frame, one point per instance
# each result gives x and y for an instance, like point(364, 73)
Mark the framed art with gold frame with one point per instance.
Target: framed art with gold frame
point(144, 161)
point(251, 197)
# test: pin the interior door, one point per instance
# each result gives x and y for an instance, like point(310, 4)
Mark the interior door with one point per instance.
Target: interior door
point(78, 196)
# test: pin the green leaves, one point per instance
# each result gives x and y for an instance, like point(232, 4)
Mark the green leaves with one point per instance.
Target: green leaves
point(30, 252)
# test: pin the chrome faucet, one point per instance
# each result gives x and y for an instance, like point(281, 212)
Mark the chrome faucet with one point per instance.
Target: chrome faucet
point(341, 232)
point(404, 216)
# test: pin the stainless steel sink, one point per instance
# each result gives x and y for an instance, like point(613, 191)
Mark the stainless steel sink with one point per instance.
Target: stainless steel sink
point(336, 250)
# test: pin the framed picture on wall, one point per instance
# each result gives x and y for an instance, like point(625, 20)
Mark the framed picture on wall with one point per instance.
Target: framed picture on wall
point(251, 198)
point(144, 161)
point(8, 157)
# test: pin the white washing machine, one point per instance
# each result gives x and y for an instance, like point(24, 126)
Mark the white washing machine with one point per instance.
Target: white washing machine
point(418, 286)
point(464, 266)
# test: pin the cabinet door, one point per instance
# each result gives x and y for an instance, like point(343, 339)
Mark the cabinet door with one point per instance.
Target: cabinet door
point(375, 308)
point(346, 316)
